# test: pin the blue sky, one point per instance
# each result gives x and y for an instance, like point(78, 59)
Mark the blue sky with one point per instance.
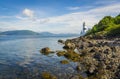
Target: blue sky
point(56, 16)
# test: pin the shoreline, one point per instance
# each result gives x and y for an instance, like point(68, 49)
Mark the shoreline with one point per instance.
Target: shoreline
point(98, 58)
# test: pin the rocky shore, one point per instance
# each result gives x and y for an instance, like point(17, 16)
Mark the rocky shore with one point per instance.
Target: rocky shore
point(98, 58)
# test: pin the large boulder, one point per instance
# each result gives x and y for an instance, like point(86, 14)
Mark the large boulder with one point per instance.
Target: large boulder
point(69, 45)
point(61, 41)
point(45, 50)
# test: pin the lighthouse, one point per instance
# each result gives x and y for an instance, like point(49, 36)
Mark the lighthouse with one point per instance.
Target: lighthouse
point(84, 27)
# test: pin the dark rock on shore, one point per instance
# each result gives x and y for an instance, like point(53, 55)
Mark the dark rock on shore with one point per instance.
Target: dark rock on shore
point(61, 53)
point(69, 45)
point(64, 62)
point(47, 75)
point(46, 51)
point(71, 55)
point(61, 41)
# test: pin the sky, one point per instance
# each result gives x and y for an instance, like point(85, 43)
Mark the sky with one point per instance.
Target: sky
point(55, 16)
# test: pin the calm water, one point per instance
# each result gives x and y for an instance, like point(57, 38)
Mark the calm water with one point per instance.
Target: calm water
point(20, 58)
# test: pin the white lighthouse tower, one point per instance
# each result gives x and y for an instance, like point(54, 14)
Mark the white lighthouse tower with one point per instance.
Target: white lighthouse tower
point(83, 29)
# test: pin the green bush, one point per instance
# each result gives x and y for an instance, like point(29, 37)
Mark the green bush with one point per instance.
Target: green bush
point(108, 26)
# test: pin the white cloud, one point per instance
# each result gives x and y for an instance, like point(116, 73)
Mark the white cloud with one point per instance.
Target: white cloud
point(29, 16)
point(28, 13)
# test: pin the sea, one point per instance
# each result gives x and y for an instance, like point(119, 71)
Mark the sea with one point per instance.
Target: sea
point(20, 58)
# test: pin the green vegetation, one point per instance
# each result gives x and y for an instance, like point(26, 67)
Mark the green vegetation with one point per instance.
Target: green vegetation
point(108, 26)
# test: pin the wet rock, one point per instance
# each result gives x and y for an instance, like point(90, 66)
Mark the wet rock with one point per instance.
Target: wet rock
point(77, 77)
point(73, 56)
point(78, 68)
point(65, 47)
point(47, 75)
point(61, 41)
point(45, 51)
point(61, 53)
point(64, 62)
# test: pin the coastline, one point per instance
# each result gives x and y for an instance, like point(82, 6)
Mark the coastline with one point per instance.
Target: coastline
point(98, 58)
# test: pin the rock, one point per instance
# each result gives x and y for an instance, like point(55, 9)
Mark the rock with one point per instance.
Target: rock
point(64, 62)
point(73, 56)
point(92, 69)
point(113, 49)
point(84, 52)
point(45, 50)
point(65, 47)
point(61, 41)
point(106, 51)
point(47, 75)
point(81, 47)
point(77, 77)
point(90, 44)
point(69, 45)
point(92, 50)
point(78, 68)
point(104, 77)
point(61, 53)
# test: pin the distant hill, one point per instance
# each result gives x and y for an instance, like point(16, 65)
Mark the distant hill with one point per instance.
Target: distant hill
point(19, 32)
point(108, 26)
point(28, 32)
